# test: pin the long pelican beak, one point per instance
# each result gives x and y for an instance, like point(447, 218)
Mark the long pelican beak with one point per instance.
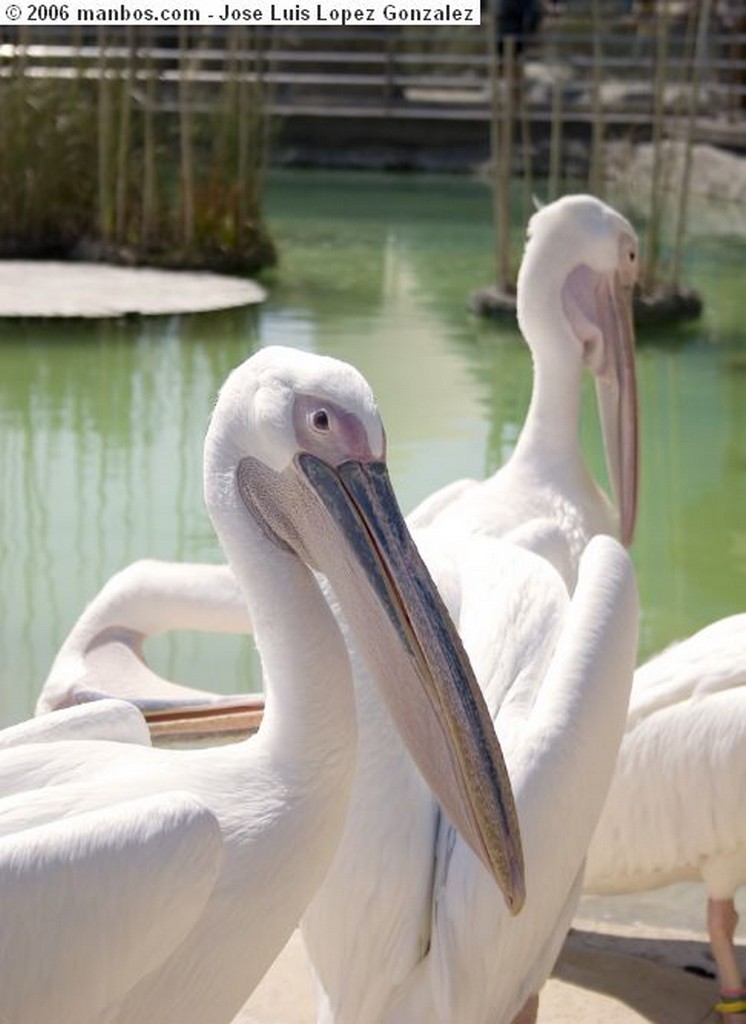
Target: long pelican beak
point(599, 308)
point(355, 535)
point(616, 393)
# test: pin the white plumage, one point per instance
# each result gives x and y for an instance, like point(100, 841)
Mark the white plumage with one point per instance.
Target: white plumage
point(105, 719)
point(574, 310)
point(675, 810)
point(426, 934)
point(103, 653)
point(92, 903)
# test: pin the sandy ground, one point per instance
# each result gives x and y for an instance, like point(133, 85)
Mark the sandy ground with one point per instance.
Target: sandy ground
point(57, 289)
point(609, 978)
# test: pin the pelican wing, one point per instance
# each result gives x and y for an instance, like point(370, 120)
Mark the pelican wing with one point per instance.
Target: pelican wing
point(709, 661)
point(92, 903)
point(562, 708)
point(103, 654)
point(428, 510)
point(101, 720)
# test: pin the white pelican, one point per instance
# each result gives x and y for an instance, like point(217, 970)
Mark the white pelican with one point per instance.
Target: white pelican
point(372, 920)
point(574, 310)
point(675, 810)
point(294, 482)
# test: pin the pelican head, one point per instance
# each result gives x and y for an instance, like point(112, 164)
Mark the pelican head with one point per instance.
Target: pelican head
point(576, 280)
point(307, 463)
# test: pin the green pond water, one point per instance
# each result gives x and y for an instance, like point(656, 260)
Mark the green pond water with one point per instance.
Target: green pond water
point(101, 425)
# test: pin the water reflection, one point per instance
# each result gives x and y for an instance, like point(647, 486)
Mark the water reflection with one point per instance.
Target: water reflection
point(101, 436)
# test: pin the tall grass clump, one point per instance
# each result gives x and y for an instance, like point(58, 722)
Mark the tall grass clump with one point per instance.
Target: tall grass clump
point(47, 166)
point(138, 153)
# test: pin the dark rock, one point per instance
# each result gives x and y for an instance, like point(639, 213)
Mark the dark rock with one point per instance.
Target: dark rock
point(665, 306)
point(491, 301)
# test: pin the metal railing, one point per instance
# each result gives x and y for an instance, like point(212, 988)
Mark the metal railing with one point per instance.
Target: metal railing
point(567, 71)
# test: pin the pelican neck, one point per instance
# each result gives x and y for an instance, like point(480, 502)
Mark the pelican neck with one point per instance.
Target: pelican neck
point(305, 665)
point(553, 417)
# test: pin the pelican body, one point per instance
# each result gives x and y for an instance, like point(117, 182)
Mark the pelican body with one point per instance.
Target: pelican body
point(675, 810)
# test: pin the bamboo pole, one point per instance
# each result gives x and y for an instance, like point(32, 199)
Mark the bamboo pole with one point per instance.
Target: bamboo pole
point(104, 124)
point(501, 226)
point(243, 142)
point(20, 216)
point(526, 156)
point(555, 143)
point(225, 150)
point(148, 211)
point(82, 138)
point(682, 211)
point(263, 96)
point(505, 279)
point(77, 93)
point(596, 164)
point(127, 80)
point(656, 178)
point(186, 145)
point(222, 148)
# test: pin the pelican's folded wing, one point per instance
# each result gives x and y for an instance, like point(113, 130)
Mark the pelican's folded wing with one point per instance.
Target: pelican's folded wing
point(116, 720)
point(92, 903)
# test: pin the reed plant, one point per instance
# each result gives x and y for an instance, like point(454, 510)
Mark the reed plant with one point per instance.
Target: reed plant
point(47, 166)
point(123, 160)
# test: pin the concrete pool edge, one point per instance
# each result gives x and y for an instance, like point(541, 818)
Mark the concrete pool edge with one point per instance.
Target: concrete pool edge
point(55, 289)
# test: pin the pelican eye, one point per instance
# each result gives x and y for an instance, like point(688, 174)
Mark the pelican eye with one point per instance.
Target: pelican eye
point(320, 420)
point(628, 261)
